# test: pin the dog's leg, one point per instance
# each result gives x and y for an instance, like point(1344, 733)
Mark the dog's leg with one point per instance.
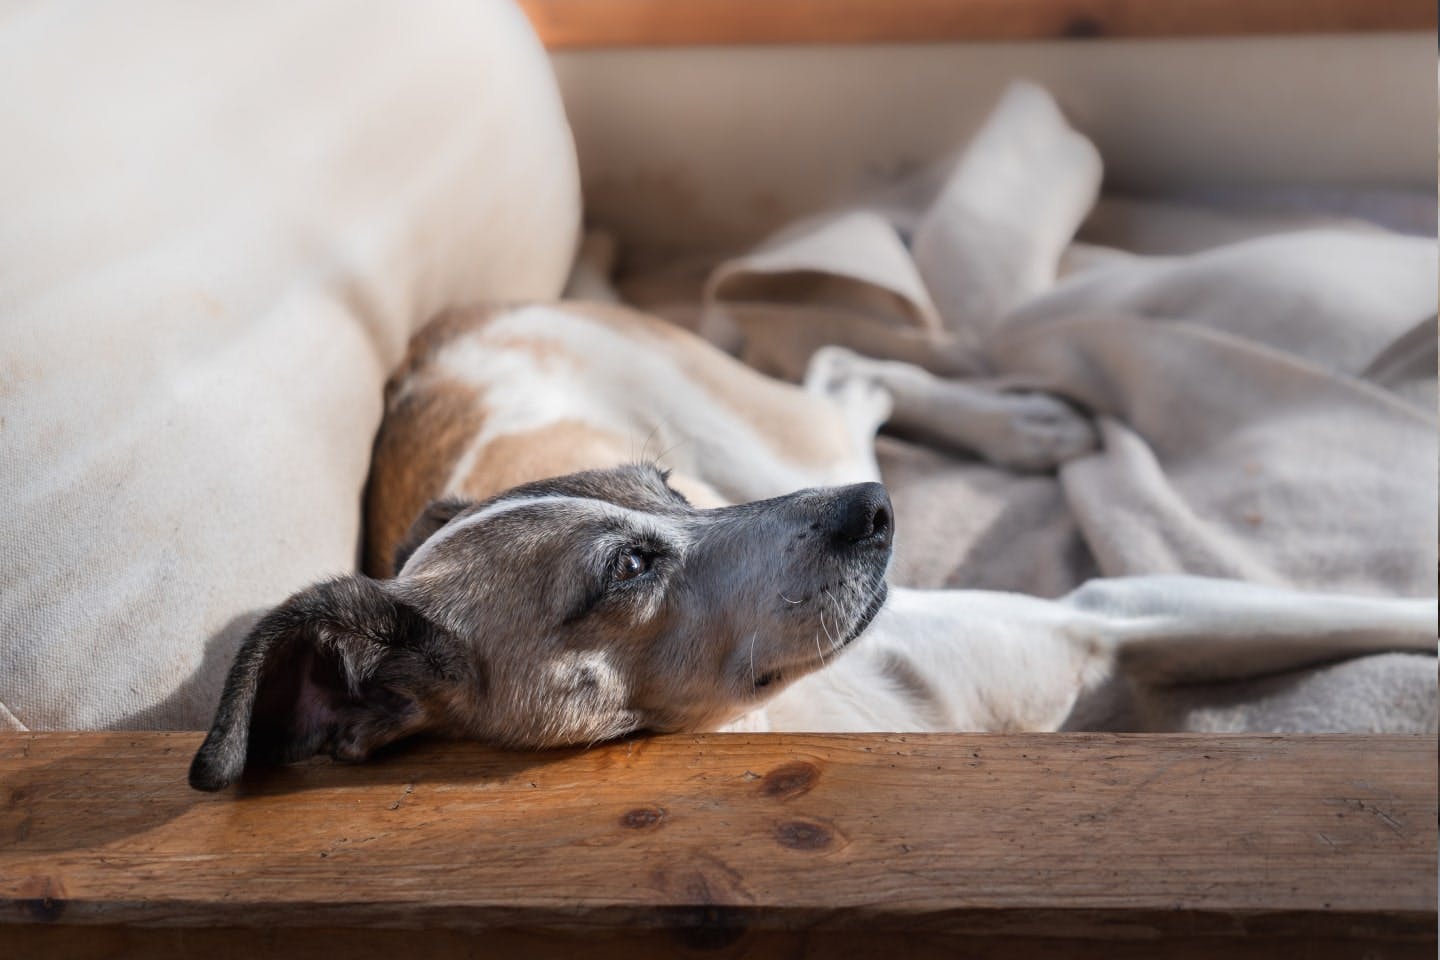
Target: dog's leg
point(1170, 629)
point(1026, 431)
point(864, 402)
point(989, 661)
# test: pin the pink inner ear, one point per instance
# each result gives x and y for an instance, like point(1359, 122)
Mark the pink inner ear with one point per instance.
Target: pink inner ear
point(305, 706)
point(298, 705)
point(314, 714)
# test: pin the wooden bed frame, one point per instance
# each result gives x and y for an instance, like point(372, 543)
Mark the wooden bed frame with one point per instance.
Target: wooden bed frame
point(822, 846)
point(580, 24)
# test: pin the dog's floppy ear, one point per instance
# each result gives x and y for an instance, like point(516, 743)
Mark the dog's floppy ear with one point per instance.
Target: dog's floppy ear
point(342, 667)
point(435, 515)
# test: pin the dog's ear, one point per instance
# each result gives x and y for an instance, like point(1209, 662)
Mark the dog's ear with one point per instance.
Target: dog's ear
point(435, 515)
point(342, 667)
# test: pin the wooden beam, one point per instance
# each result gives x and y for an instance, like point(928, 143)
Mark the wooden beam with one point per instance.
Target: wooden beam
point(578, 24)
point(1111, 845)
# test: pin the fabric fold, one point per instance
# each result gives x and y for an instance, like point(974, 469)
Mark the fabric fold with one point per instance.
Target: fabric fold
point(1264, 391)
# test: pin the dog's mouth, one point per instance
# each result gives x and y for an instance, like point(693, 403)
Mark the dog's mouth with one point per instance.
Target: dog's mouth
point(836, 644)
point(862, 622)
point(858, 624)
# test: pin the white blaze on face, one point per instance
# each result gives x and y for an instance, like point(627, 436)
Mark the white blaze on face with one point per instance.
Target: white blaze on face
point(639, 521)
point(424, 551)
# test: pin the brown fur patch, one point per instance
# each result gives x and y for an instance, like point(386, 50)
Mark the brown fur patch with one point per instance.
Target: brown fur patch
point(424, 434)
point(428, 426)
point(566, 446)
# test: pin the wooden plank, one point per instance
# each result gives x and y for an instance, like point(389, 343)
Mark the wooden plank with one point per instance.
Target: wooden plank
point(577, 24)
point(776, 843)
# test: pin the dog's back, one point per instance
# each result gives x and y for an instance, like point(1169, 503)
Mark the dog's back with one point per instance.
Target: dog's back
point(492, 397)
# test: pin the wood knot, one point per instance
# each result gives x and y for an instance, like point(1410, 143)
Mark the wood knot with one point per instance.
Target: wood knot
point(707, 896)
point(789, 780)
point(43, 898)
point(643, 818)
point(802, 835)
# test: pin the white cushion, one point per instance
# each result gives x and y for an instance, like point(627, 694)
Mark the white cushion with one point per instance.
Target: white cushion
point(221, 224)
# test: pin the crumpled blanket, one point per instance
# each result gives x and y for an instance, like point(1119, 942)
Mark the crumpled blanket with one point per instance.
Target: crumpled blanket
point(1266, 406)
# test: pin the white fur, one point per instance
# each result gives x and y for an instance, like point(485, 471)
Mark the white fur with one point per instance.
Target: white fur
point(1001, 661)
point(573, 668)
point(464, 523)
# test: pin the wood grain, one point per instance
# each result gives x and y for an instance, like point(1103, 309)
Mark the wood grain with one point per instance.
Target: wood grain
point(778, 845)
point(574, 24)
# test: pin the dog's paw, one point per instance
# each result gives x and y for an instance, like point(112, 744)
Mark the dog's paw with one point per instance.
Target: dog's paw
point(831, 367)
point(1039, 432)
point(853, 382)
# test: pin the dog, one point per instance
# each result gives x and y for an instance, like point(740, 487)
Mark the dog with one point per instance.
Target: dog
point(536, 579)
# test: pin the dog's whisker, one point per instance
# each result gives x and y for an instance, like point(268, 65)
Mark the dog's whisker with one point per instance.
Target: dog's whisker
point(752, 657)
point(671, 449)
point(817, 646)
point(834, 644)
point(787, 599)
point(646, 445)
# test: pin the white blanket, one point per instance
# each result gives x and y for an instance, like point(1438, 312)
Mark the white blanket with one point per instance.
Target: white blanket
point(1266, 405)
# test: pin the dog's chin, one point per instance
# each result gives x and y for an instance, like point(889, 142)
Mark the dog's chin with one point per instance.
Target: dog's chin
point(877, 600)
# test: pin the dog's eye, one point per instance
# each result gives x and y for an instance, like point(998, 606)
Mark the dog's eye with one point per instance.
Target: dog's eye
point(766, 679)
point(631, 564)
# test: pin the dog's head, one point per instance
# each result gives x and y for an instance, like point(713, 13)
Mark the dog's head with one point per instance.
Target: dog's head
point(562, 612)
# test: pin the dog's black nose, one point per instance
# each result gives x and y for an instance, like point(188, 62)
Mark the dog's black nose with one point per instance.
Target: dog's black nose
point(864, 515)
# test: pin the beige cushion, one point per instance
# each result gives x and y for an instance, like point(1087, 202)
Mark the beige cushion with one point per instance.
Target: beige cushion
point(221, 224)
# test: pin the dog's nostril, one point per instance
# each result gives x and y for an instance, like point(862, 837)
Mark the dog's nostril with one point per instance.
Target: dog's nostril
point(881, 523)
point(864, 514)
